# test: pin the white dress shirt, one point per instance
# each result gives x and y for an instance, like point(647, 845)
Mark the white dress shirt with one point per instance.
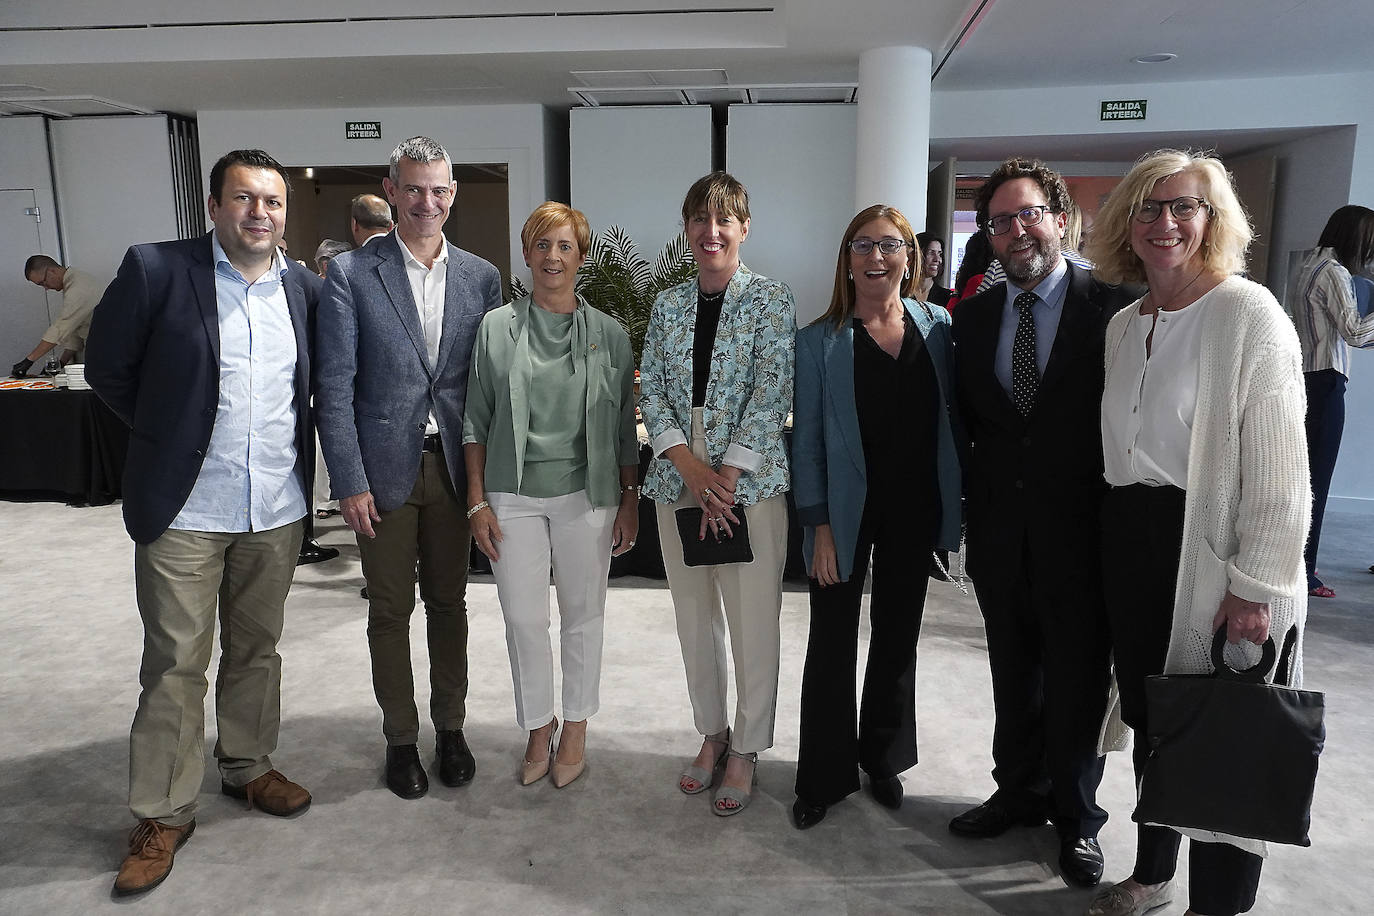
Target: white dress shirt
point(249, 481)
point(1150, 399)
point(427, 285)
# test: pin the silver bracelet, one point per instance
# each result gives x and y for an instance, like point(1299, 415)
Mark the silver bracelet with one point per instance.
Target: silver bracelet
point(478, 508)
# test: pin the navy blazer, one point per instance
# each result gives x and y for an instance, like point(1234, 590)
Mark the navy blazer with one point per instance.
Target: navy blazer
point(829, 473)
point(374, 385)
point(153, 356)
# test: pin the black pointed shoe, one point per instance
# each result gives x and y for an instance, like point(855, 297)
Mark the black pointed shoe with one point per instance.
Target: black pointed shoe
point(805, 815)
point(992, 818)
point(887, 791)
point(1080, 860)
point(456, 764)
point(404, 774)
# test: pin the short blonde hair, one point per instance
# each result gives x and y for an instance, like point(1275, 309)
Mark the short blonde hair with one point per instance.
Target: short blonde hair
point(549, 216)
point(1228, 233)
point(842, 296)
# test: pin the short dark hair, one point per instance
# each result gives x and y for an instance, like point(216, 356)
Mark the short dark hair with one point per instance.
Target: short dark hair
point(38, 262)
point(370, 211)
point(1051, 185)
point(719, 191)
point(1350, 233)
point(925, 238)
point(250, 158)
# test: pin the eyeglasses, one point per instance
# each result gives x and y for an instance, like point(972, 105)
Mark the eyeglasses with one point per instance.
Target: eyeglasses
point(1183, 208)
point(1030, 216)
point(888, 245)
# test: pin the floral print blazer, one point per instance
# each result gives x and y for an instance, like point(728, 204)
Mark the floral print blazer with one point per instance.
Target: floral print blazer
point(748, 394)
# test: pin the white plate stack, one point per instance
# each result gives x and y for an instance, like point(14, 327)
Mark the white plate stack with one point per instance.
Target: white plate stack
point(76, 377)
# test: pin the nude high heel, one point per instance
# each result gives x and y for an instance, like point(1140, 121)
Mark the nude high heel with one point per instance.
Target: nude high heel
point(531, 771)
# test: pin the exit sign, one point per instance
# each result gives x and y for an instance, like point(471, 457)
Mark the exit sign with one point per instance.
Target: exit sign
point(1123, 110)
point(362, 130)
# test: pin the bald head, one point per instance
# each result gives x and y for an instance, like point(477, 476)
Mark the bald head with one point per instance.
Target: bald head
point(371, 215)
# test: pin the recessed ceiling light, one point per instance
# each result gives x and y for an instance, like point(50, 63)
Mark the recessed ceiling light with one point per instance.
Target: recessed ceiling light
point(1162, 57)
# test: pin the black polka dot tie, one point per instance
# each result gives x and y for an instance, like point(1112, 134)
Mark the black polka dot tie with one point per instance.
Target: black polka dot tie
point(1025, 375)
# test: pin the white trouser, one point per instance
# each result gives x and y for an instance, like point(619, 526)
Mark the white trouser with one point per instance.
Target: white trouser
point(322, 500)
point(752, 596)
point(574, 537)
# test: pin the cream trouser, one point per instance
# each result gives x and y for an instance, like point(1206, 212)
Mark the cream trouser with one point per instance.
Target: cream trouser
point(181, 579)
point(752, 598)
point(574, 537)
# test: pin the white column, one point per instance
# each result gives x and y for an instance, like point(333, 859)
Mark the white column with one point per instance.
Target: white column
point(894, 131)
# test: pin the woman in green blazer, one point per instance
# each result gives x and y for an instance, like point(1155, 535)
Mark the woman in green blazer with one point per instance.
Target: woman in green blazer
point(552, 465)
point(875, 473)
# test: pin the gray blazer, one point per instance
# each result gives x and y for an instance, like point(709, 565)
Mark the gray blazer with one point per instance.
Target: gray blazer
point(374, 385)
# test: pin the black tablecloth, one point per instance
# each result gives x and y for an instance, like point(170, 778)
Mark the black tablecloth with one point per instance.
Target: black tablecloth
point(60, 445)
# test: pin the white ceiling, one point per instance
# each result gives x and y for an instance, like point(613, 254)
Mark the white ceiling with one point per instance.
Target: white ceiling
point(206, 54)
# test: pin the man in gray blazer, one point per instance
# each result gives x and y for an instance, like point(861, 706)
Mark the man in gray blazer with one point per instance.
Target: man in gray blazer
point(394, 336)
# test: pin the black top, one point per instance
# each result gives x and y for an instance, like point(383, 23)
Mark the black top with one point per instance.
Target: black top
point(898, 401)
point(940, 296)
point(703, 341)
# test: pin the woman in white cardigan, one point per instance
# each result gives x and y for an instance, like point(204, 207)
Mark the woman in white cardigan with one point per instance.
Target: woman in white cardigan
point(1203, 445)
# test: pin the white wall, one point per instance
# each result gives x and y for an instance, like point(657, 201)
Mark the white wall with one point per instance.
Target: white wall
point(798, 163)
point(114, 187)
point(478, 134)
point(631, 167)
point(25, 308)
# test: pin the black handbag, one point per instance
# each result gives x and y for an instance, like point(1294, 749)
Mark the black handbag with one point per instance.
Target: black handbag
point(712, 551)
point(1230, 753)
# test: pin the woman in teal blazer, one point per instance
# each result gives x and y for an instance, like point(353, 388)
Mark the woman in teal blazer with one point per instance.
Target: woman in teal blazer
point(875, 474)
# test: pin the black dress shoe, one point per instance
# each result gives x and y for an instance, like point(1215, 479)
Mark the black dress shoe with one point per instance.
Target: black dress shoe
point(456, 766)
point(992, 818)
point(404, 775)
point(311, 552)
point(1080, 860)
point(806, 815)
point(886, 790)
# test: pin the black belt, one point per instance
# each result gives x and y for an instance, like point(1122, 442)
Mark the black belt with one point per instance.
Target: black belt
point(432, 444)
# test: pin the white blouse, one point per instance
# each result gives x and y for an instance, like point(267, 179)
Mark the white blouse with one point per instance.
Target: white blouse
point(1149, 401)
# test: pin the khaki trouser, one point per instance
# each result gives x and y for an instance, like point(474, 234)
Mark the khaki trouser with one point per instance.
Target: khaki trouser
point(180, 579)
point(752, 597)
point(427, 534)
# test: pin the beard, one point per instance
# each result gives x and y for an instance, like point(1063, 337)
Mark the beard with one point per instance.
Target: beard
point(1028, 271)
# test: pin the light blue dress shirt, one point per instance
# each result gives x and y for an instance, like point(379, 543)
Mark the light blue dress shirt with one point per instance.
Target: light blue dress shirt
point(249, 481)
point(1045, 314)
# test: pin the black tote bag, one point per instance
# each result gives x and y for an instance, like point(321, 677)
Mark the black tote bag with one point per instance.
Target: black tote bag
point(1230, 753)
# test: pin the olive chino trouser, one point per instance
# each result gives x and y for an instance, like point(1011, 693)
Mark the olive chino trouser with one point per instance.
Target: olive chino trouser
point(181, 580)
point(428, 534)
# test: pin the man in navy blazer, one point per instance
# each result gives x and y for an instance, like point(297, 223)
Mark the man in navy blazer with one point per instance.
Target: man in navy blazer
point(394, 338)
point(201, 347)
point(1029, 377)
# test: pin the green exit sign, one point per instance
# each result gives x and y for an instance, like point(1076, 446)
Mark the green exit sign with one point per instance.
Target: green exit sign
point(363, 130)
point(1123, 110)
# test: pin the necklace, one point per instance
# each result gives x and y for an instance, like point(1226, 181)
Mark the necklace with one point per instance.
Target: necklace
point(711, 298)
point(1178, 295)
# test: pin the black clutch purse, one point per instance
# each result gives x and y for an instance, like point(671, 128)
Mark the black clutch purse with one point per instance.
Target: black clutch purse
point(712, 551)
point(1230, 753)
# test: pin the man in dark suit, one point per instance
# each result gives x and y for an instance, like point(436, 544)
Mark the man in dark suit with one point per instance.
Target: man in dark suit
point(201, 346)
point(397, 322)
point(1029, 380)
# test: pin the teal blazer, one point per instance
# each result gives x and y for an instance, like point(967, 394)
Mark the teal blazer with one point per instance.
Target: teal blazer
point(829, 477)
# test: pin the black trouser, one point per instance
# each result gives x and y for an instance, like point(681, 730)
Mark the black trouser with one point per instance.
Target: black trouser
point(1048, 655)
point(1325, 423)
point(834, 747)
point(1142, 536)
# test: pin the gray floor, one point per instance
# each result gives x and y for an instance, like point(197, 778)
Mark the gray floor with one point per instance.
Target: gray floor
point(622, 838)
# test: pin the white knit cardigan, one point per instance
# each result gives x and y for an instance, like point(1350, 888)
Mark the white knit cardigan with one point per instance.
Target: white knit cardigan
point(1249, 498)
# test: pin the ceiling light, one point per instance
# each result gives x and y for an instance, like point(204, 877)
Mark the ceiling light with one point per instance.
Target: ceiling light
point(1160, 57)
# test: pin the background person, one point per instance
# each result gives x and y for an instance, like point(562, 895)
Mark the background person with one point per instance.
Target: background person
point(931, 263)
point(369, 216)
point(879, 478)
point(553, 473)
point(80, 293)
point(1203, 448)
point(1323, 305)
point(715, 391)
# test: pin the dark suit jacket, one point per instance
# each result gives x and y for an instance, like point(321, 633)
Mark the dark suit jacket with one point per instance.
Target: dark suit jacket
point(153, 356)
point(374, 385)
point(1034, 480)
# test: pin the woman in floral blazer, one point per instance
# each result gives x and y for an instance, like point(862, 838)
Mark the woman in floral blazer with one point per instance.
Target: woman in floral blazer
point(715, 391)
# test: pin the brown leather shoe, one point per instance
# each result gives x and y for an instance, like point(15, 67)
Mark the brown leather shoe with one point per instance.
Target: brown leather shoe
point(271, 793)
point(152, 846)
